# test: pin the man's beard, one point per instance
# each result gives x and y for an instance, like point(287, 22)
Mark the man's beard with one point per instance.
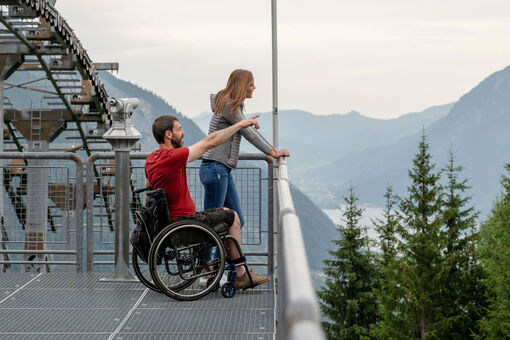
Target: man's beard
point(177, 143)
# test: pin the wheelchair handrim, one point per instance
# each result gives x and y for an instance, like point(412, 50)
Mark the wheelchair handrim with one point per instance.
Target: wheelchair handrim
point(153, 259)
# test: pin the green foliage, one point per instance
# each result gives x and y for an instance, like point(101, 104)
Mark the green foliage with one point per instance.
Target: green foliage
point(432, 282)
point(463, 286)
point(386, 227)
point(347, 299)
point(420, 265)
point(410, 306)
point(495, 249)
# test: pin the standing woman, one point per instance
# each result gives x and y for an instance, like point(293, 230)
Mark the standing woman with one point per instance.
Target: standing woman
point(215, 171)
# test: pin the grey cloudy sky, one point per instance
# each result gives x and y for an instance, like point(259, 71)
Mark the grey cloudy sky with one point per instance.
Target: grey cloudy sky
point(381, 58)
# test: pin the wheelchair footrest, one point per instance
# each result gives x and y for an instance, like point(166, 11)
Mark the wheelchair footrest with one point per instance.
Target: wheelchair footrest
point(239, 260)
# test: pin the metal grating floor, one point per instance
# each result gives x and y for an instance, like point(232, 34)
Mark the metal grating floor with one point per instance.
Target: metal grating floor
point(78, 306)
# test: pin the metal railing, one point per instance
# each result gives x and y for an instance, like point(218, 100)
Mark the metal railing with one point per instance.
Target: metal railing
point(100, 211)
point(44, 207)
point(298, 310)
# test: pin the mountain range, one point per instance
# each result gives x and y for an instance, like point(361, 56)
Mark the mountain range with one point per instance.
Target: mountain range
point(329, 152)
point(475, 129)
point(316, 140)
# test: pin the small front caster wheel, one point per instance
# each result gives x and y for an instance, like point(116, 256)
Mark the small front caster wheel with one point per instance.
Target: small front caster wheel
point(228, 290)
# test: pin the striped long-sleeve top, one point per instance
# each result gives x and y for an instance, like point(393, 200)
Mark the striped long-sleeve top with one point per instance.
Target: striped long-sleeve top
point(228, 152)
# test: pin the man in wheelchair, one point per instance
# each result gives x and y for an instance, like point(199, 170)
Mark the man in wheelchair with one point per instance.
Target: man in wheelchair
point(166, 168)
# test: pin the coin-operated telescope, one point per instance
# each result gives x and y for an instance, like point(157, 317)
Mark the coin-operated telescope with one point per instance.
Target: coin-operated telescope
point(122, 134)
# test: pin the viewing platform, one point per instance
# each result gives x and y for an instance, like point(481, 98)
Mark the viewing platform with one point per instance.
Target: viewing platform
point(72, 171)
point(79, 306)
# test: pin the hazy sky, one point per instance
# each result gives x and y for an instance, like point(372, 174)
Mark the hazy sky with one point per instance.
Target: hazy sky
point(381, 58)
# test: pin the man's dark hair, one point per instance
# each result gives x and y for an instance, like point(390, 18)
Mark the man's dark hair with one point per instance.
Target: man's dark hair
point(161, 125)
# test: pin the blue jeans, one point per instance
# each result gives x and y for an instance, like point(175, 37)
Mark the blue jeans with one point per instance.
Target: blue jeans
point(219, 191)
point(219, 188)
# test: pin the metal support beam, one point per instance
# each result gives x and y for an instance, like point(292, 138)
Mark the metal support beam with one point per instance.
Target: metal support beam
point(12, 115)
point(106, 66)
point(50, 78)
point(21, 49)
point(29, 88)
point(55, 64)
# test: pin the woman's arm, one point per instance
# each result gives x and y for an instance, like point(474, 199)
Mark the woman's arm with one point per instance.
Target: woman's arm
point(219, 137)
point(251, 135)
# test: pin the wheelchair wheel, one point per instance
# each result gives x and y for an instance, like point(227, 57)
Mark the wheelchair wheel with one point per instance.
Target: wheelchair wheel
point(142, 271)
point(180, 254)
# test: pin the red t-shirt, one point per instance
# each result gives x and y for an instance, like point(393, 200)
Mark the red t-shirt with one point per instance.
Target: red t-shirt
point(166, 169)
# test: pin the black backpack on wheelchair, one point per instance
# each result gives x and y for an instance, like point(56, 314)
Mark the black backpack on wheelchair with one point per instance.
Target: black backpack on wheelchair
point(150, 220)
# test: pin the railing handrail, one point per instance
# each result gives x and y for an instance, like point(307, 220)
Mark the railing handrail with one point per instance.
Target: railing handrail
point(299, 313)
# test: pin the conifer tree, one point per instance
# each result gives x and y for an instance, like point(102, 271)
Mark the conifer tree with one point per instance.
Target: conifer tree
point(347, 299)
point(410, 311)
point(495, 249)
point(463, 290)
point(386, 227)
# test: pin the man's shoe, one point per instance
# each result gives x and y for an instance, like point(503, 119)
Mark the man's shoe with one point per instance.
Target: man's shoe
point(243, 282)
point(258, 278)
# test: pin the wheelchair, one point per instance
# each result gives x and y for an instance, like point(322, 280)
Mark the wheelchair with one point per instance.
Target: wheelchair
point(180, 254)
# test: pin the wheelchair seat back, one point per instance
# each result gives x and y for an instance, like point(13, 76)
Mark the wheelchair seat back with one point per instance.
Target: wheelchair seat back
point(150, 220)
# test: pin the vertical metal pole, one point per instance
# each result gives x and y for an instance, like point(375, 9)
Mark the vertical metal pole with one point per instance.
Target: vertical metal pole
point(37, 203)
point(122, 166)
point(122, 211)
point(90, 213)
point(79, 216)
point(1, 150)
point(280, 330)
point(270, 218)
point(274, 40)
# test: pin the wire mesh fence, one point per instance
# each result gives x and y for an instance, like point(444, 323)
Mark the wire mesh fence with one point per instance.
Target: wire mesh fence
point(249, 180)
point(38, 226)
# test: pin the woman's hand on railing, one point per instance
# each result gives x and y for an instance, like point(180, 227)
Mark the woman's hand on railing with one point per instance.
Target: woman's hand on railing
point(280, 153)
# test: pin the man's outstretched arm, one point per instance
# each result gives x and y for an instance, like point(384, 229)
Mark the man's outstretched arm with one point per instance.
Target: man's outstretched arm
point(219, 137)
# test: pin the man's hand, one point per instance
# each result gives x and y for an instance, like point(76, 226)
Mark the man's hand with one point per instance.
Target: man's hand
point(249, 122)
point(219, 137)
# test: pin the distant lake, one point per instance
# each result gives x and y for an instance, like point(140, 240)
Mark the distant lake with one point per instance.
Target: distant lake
point(369, 213)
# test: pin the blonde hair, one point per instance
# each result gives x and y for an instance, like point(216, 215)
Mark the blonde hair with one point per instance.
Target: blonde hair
point(234, 92)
